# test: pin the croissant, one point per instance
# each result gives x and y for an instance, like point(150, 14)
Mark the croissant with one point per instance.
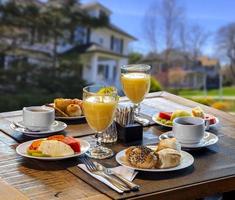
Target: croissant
point(62, 103)
point(141, 157)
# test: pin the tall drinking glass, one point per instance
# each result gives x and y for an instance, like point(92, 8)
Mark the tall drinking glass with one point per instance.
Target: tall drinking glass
point(99, 107)
point(135, 80)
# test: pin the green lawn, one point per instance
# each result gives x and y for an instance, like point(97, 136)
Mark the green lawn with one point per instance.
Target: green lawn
point(212, 97)
point(227, 91)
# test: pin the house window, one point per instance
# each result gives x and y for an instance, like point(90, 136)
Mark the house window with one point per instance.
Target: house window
point(116, 44)
point(101, 41)
point(103, 70)
point(79, 35)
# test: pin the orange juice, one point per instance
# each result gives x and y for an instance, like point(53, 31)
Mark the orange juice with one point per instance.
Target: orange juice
point(99, 111)
point(135, 86)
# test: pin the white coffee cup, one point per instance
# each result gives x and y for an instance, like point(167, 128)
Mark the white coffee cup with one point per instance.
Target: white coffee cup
point(38, 117)
point(189, 130)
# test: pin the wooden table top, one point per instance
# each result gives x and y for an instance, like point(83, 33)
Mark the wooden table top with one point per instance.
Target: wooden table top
point(212, 172)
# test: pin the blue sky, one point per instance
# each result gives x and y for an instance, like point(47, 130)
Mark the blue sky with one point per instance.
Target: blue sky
point(211, 14)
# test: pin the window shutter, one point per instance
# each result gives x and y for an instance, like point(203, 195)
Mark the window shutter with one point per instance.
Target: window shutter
point(88, 35)
point(111, 42)
point(122, 45)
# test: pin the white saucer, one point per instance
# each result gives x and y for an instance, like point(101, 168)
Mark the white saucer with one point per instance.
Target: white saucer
point(57, 126)
point(207, 140)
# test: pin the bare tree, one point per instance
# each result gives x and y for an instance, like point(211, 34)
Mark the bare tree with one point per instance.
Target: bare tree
point(226, 44)
point(172, 15)
point(150, 28)
point(161, 24)
point(198, 37)
point(192, 39)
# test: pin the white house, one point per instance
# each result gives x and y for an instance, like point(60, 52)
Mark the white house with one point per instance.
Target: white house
point(102, 51)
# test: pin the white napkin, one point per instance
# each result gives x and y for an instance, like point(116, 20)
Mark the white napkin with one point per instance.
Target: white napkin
point(129, 174)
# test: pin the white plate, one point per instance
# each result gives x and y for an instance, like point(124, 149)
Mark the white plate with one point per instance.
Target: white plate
point(154, 118)
point(57, 126)
point(22, 150)
point(207, 140)
point(186, 161)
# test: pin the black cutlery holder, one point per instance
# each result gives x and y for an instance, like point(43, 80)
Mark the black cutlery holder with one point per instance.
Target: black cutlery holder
point(129, 133)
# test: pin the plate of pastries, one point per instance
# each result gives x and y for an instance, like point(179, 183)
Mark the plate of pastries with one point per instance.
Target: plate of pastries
point(166, 156)
point(70, 109)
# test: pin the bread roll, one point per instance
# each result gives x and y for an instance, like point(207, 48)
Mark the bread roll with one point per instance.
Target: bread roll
point(141, 157)
point(169, 143)
point(62, 103)
point(168, 158)
point(73, 110)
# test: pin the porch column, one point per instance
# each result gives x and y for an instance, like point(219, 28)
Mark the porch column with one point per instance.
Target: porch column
point(94, 68)
point(110, 74)
point(119, 62)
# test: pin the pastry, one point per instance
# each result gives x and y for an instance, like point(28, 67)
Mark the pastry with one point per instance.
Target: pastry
point(78, 102)
point(141, 157)
point(167, 158)
point(73, 110)
point(62, 103)
point(198, 112)
point(169, 143)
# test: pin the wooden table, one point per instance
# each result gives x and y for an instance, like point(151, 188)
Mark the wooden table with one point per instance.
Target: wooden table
point(213, 170)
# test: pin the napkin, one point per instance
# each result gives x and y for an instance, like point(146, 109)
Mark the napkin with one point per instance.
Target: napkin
point(127, 173)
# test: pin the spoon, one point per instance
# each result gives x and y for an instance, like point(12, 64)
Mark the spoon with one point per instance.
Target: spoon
point(167, 136)
point(17, 125)
point(143, 121)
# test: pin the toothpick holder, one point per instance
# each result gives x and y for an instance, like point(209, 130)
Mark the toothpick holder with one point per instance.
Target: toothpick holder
point(129, 133)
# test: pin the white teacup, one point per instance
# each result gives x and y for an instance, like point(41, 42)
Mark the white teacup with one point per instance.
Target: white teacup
point(189, 130)
point(38, 117)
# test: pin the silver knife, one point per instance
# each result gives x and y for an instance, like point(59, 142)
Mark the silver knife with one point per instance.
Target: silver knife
point(108, 171)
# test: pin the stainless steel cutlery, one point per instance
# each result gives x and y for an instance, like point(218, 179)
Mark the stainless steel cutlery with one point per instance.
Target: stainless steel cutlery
point(115, 179)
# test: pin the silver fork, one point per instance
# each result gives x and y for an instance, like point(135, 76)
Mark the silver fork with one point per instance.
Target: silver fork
point(93, 169)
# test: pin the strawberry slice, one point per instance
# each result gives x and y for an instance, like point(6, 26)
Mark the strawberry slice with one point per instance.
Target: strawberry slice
point(165, 115)
point(73, 143)
point(210, 118)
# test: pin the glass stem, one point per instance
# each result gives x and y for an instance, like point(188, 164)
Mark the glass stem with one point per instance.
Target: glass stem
point(98, 139)
point(137, 109)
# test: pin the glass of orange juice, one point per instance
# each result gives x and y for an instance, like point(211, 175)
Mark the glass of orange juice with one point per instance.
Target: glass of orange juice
point(135, 80)
point(99, 106)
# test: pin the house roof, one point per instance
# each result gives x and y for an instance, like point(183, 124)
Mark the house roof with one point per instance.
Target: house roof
point(93, 4)
point(111, 26)
point(208, 62)
point(91, 48)
point(120, 31)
